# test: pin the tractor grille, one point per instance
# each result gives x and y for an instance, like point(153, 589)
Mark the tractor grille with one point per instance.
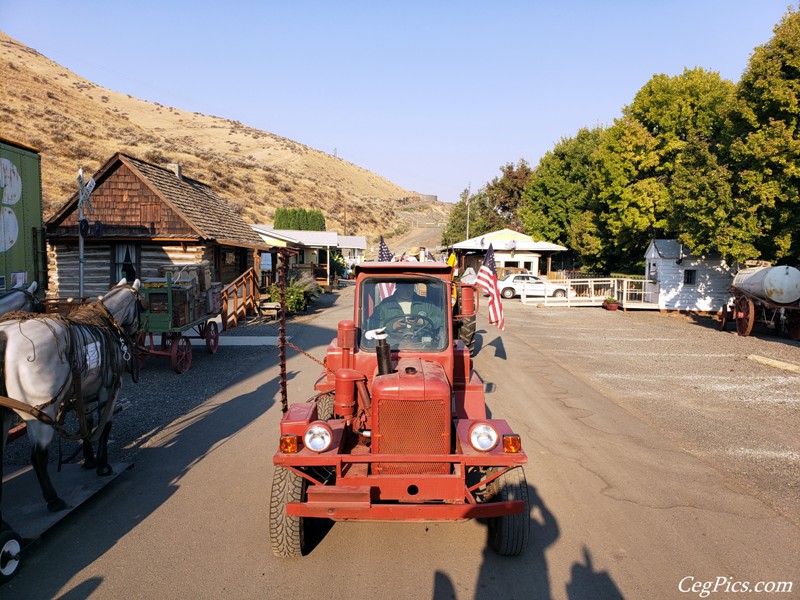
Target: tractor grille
point(412, 427)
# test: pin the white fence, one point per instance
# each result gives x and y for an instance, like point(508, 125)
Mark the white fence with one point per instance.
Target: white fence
point(630, 293)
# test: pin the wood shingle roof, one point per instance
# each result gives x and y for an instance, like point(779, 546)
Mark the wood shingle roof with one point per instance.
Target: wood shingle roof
point(206, 214)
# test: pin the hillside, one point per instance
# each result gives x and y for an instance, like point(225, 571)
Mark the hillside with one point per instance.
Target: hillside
point(75, 123)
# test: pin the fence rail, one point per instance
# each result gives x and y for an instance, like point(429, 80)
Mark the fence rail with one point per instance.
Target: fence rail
point(629, 292)
point(238, 297)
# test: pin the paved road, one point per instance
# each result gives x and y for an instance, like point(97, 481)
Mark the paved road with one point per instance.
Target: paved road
point(620, 506)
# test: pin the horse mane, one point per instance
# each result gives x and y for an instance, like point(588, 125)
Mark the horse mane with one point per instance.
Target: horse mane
point(88, 324)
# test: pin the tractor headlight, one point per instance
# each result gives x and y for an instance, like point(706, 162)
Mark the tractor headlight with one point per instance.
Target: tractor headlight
point(482, 437)
point(318, 436)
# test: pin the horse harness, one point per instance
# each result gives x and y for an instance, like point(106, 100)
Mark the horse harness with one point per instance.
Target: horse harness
point(76, 400)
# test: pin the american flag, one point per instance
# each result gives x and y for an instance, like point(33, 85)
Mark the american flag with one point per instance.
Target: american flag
point(385, 289)
point(487, 280)
point(383, 252)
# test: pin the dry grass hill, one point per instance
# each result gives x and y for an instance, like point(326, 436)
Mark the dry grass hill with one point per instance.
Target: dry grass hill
point(75, 123)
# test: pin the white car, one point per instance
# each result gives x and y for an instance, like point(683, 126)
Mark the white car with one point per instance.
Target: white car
point(512, 285)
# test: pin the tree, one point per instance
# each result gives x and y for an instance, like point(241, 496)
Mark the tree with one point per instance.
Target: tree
point(687, 115)
point(660, 171)
point(631, 197)
point(279, 221)
point(558, 194)
point(765, 145)
point(504, 193)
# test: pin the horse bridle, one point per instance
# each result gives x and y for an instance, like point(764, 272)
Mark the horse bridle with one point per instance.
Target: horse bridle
point(126, 340)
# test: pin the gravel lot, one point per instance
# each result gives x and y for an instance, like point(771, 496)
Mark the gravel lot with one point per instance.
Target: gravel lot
point(700, 386)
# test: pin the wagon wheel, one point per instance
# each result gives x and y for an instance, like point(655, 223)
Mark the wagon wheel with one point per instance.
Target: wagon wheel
point(724, 317)
point(181, 353)
point(212, 337)
point(793, 325)
point(10, 548)
point(745, 315)
point(167, 338)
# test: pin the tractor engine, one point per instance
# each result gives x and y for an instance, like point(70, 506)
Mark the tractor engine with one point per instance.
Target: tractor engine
point(411, 415)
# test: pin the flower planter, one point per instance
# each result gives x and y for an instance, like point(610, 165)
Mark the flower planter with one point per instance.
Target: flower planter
point(610, 305)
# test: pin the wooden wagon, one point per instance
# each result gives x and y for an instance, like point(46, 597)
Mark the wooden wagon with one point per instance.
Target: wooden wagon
point(184, 300)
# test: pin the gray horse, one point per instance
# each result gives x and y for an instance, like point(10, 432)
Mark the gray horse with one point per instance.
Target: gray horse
point(43, 357)
point(21, 299)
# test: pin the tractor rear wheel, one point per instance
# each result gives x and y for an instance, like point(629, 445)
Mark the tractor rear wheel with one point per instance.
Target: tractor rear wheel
point(508, 535)
point(287, 535)
point(466, 333)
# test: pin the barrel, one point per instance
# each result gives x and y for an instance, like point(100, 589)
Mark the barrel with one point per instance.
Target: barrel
point(780, 285)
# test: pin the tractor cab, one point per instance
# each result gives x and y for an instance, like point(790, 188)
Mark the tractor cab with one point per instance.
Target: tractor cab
point(413, 311)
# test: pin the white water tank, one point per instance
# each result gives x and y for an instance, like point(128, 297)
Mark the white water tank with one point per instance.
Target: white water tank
point(776, 284)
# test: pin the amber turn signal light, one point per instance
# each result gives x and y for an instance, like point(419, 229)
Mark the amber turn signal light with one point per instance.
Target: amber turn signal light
point(512, 444)
point(289, 444)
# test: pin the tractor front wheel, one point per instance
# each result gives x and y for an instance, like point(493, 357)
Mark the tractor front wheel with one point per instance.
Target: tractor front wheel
point(508, 535)
point(287, 535)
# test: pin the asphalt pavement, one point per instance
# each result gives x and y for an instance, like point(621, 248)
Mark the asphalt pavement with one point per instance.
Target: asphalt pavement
point(662, 458)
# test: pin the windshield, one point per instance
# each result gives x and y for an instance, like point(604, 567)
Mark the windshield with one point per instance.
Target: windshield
point(412, 310)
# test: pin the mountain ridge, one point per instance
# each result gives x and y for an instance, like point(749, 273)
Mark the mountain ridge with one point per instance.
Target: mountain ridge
point(76, 123)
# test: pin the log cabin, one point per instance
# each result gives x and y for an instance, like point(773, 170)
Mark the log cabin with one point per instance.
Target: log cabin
point(141, 216)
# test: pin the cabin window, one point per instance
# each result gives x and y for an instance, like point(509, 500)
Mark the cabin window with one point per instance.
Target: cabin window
point(126, 262)
point(690, 276)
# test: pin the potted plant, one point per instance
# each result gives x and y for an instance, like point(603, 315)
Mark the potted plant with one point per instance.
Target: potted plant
point(610, 303)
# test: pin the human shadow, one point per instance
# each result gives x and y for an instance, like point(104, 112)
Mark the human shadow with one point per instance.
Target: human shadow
point(525, 576)
point(587, 584)
point(443, 588)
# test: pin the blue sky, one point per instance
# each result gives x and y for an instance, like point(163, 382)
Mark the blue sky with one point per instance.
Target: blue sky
point(436, 96)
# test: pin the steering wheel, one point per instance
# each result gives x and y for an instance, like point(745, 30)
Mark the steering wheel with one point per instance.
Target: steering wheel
point(409, 327)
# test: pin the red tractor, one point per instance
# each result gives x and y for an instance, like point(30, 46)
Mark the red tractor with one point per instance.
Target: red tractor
point(398, 430)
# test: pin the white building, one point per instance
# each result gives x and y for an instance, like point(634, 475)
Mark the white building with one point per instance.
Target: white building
point(353, 248)
point(311, 249)
point(511, 249)
point(677, 280)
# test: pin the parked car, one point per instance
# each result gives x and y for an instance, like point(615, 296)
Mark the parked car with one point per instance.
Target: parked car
point(506, 271)
point(512, 285)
